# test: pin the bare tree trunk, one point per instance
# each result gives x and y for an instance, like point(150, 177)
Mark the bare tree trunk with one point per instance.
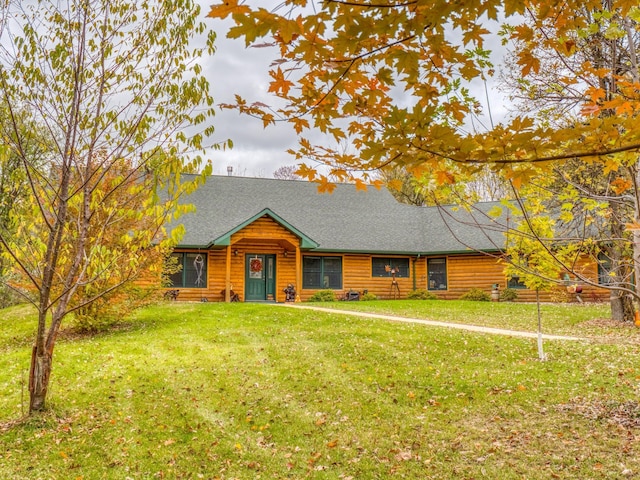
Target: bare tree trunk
point(621, 302)
point(621, 306)
point(39, 376)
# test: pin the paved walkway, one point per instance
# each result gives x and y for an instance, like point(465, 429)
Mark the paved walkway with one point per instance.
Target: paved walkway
point(433, 323)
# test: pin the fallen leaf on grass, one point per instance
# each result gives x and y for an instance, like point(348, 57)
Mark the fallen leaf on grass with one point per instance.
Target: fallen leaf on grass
point(404, 455)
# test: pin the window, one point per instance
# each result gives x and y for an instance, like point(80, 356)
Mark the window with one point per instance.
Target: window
point(437, 273)
point(604, 270)
point(515, 282)
point(193, 271)
point(381, 267)
point(322, 272)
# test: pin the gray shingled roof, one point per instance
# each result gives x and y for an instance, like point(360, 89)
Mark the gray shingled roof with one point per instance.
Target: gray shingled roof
point(346, 220)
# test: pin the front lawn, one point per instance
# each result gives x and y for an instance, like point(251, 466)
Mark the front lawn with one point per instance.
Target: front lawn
point(249, 391)
point(588, 319)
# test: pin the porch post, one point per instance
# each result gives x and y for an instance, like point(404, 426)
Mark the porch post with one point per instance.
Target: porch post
point(227, 288)
point(298, 273)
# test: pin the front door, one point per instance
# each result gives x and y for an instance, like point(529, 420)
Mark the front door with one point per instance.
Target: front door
point(260, 277)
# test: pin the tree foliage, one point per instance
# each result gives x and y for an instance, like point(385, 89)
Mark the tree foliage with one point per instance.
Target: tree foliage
point(14, 192)
point(113, 85)
point(391, 79)
point(286, 172)
point(598, 198)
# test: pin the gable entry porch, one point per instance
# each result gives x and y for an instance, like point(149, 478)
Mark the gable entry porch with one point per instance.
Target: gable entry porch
point(263, 256)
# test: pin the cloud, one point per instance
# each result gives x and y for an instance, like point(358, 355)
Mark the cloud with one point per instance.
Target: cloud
point(235, 69)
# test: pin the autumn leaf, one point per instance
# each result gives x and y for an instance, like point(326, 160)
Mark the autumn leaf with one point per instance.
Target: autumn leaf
point(443, 177)
point(528, 62)
point(279, 85)
point(360, 185)
point(226, 8)
point(633, 226)
point(621, 185)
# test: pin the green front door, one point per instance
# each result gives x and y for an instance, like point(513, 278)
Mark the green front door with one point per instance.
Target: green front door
point(260, 277)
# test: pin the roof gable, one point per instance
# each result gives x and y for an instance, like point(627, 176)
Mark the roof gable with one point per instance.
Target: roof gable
point(305, 241)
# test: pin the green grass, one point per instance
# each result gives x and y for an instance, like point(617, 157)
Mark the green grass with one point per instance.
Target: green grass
point(260, 391)
point(557, 318)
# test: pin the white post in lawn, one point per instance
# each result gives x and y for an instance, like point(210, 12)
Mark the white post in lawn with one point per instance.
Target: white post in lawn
point(541, 356)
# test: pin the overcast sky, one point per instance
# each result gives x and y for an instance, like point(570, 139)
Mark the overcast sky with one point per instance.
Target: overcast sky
point(237, 70)
point(258, 152)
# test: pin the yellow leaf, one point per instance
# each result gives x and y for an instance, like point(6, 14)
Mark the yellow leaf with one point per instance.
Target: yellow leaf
point(395, 184)
point(289, 30)
point(445, 178)
point(333, 443)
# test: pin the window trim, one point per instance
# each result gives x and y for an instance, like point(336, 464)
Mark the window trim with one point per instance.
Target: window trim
point(322, 270)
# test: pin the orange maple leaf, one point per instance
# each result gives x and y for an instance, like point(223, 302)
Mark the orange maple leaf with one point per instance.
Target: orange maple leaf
point(226, 8)
point(279, 84)
point(360, 185)
point(444, 177)
point(620, 185)
point(528, 62)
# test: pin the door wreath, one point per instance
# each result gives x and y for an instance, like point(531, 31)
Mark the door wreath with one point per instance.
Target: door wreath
point(256, 265)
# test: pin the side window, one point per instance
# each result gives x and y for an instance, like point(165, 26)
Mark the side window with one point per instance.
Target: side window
point(604, 269)
point(193, 270)
point(515, 282)
point(382, 267)
point(322, 272)
point(437, 273)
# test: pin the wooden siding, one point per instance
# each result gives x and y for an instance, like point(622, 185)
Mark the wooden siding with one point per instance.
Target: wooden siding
point(265, 229)
point(465, 272)
point(267, 237)
point(357, 276)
